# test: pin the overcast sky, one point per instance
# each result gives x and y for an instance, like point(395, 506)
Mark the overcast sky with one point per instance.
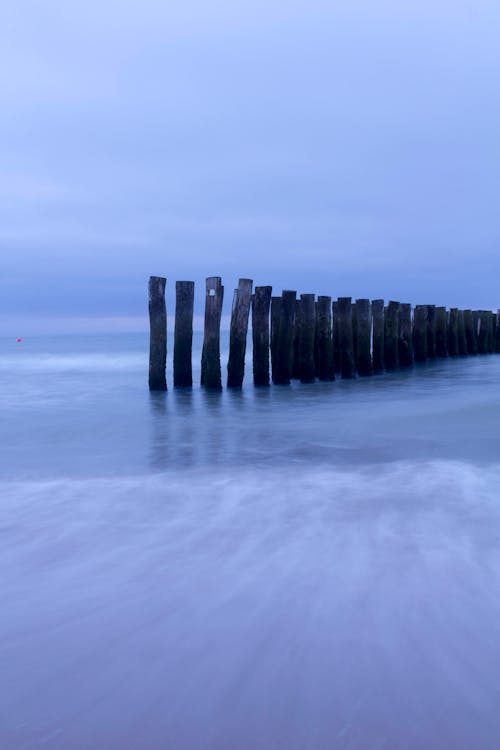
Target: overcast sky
point(344, 148)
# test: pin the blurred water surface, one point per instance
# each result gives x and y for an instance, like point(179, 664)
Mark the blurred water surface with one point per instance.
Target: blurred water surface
point(293, 567)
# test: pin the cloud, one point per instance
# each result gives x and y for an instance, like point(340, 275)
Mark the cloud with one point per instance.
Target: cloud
point(313, 145)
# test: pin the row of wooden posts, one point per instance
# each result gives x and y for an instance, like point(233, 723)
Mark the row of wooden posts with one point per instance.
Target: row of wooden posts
point(308, 338)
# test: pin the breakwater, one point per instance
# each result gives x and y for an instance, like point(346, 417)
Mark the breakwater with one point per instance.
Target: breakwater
point(308, 338)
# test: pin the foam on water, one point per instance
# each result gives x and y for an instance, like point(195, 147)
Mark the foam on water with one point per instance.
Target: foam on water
point(72, 363)
point(319, 609)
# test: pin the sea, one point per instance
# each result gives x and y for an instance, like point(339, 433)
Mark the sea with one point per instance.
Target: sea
point(303, 567)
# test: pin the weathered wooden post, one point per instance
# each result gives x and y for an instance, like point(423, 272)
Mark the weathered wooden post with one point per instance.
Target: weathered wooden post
point(210, 358)
point(420, 333)
point(363, 315)
point(441, 332)
point(307, 330)
point(405, 342)
point(346, 343)
point(284, 349)
point(295, 343)
point(470, 332)
point(453, 332)
point(354, 335)
point(378, 335)
point(275, 329)
point(157, 334)
point(391, 315)
point(493, 327)
point(238, 333)
point(482, 344)
point(497, 334)
point(462, 339)
point(431, 331)
point(183, 333)
point(261, 303)
point(487, 319)
point(335, 338)
point(316, 342)
point(324, 340)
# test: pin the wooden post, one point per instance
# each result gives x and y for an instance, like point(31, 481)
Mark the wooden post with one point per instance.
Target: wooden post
point(420, 333)
point(462, 339)
point(261, 302)
point(453, 332)
point(441, 332)
point(363, 315)
point(324, 340)
point(284, 349)
point(157, 334)
point(391, 315)
point(295, 344)
point(335, 338)
point(183, 334)
point(476, 317)
point(470, 332)
point(431, 331)
point(275, 329)
point(482, 344)
point(210, 358)
point(405, 342)
point(378, 335)
point(346, 343)
point(497, 334)
point(238, 333)
point(316, 342)
point(489, 320)
point(493, 327)
point(307, 330)
point(354, 335)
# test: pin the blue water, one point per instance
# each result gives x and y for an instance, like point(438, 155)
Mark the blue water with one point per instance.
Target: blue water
point(305, 567)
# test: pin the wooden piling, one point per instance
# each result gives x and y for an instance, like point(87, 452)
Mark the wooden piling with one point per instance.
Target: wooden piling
point(354, 335)
point(378, 335)
point(462, 339)
point(316, 342)
point(275, 329)
point(295, 344)
point(453, 332)
point(497, 333)
point(431, 331)
point(210, 358)
point(346, 343)
point(324, 340)
point(391, 315)
point(238, 333)
point(420, 333)
point(470, 332)
point(307, 331)
point(493, 327)
point(405, 341)
point(441, 332)
point(183, 333)
point(284, 349)
point(335, 338)
point(363, 316)
point(482, 344)
point(261, 303)
point(157, 334)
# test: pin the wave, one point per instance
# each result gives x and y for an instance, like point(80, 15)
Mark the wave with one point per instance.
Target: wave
point(241, 609)
point(73, 362)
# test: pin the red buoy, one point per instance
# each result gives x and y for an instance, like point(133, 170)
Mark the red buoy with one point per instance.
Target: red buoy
point(18, 340)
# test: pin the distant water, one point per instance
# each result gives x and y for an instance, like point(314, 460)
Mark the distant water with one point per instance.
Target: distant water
point(298, 568)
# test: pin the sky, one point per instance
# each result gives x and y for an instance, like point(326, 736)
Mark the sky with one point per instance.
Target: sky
point(348, 148)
